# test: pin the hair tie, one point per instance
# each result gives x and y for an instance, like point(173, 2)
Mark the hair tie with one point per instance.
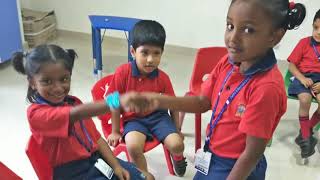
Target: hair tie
point(291, 5)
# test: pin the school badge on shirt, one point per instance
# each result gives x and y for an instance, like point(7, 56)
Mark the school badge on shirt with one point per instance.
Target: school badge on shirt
point(240, 110)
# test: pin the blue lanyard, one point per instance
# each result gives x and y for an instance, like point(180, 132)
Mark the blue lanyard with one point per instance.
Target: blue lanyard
point(225, 106)
point(41, 100)
point(316, 51)
point(84, 130)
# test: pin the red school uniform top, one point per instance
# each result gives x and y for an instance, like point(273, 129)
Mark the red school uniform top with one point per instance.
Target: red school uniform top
point(305, 57)
point(50, 126)
point(127, 77)
point(255, 111)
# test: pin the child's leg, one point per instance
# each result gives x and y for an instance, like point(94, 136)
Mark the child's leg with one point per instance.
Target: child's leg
point(305, 103)
point(135, 142)
point(174, 144)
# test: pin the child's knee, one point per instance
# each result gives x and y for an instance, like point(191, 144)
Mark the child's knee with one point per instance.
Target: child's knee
point(174, 143)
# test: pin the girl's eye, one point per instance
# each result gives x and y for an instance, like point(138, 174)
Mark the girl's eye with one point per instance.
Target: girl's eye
point(46, 82)
point(65, 79)
point(229, 27)
point(248, 30)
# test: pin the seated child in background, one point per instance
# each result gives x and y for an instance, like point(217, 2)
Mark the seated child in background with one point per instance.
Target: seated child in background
point(304, 65)
point(143, 75)
point(61, 124)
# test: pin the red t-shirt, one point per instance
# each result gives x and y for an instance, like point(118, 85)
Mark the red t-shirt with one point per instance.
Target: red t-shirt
point(255, 111)
point(128, 78)
point(51, 128)
point(304, 57)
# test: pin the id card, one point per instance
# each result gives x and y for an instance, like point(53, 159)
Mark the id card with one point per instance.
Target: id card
point(202, 161)
point(104, 168)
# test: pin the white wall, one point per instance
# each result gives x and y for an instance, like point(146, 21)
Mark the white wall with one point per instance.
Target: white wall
point(189, 23)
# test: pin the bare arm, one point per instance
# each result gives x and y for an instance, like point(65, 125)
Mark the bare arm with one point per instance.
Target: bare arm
point(110, 159)
point(248, 159)
point(115, 120)
point(88, 110)
point(307, 82)
point(295, 71)
point(192, 104)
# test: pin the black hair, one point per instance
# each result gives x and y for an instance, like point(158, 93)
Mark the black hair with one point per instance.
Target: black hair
point(30, 63)
point(148, 32)
point(282, 13)
point(316, 16)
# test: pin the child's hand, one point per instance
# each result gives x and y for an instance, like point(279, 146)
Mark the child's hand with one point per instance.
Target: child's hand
point(114, 139)
point(136, 102)
point(121, 173)
point(316, 88)
point(307, 82)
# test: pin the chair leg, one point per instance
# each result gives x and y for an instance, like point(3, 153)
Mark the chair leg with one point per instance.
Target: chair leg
point(168, 159)
point(197, 131)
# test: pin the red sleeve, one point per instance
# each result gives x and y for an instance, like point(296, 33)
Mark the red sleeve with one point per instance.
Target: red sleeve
point(168, 90)
point(297, 53)
point(119, 79)
point(49, 121)
point(263, 111)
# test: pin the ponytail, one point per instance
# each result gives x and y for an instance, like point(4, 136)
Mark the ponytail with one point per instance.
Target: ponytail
point(72, 54)
point(296, 15)
point(18, 63)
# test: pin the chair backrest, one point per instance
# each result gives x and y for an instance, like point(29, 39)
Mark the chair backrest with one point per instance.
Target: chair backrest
point(206, 59)
point(8, 174)
point(39, 160)
point(98, 92)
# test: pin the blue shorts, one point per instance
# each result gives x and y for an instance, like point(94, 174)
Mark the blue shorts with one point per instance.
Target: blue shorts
point(85, 169)
point(296, 87)
point(158, 124)
point(220, 169)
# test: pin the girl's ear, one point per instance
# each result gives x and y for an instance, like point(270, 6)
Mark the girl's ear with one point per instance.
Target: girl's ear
point(32, 83)
point(133, 52)
point(277, 36)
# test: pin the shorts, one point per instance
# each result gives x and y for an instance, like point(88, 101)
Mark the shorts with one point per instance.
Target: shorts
point(85, 169)
point(296, 88)
point(220, 169)
point(158, 124)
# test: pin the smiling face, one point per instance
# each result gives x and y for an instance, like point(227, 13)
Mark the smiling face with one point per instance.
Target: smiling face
point(316, 30)
point(147, 58)
point(249, 31)
point(52, 82)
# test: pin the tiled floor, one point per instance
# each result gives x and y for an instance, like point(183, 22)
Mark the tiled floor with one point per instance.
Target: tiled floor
point(283, 157)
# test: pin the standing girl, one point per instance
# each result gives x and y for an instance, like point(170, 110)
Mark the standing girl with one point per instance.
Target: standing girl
point(245, 91)
point(304, 65)
point(61, 124)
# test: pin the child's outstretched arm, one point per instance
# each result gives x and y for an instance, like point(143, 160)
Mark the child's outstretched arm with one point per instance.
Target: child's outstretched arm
point(115, 137)
point(192, 104)
point(248, 159)
point(107, 155)
point(307, 82)
point(88, 110)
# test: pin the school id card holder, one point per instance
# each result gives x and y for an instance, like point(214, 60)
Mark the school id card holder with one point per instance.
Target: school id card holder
point(104, 168)
point(202, 161)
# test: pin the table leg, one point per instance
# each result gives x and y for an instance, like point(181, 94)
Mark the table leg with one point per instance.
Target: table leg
point(98, 53)
point(93, 51)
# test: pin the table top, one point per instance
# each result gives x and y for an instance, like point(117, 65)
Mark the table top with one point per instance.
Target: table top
point(112, 22)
